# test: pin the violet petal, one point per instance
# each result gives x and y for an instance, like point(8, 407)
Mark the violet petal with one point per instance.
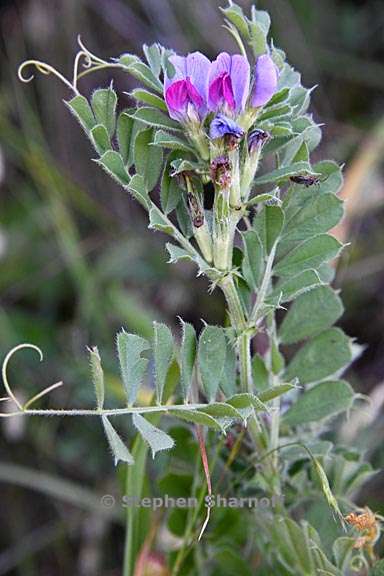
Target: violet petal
point(222, 126)
point(266, 78)
point(240, 73)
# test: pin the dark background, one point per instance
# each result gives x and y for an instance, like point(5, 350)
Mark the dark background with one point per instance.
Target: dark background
point(77, 261)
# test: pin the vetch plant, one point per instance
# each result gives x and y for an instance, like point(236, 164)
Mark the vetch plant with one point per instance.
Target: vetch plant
point(260, 391)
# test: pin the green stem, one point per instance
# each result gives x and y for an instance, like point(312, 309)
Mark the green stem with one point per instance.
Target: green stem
point(134, 487)
point(104, 412)
point(275, 430)
point(235, 307)
point(265, 285)
point(246, 378)
point(275, 416)
point(204, 241)
point(235, 196)
point(244, 337)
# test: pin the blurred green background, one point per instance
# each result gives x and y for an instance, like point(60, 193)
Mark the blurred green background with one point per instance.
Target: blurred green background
point(77, 261)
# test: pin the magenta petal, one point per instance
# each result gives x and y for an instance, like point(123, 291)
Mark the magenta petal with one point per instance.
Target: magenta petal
point(193, 94)
point(266, 78)
point(215, 93)
point(176, 98)
point(228, 91)
point(240, 73)
point(180, 65)
point(219, 67)
point(189, 84)
point(197, 69)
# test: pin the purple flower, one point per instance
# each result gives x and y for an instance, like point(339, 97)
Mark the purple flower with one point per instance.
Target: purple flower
point(222, 126)
point(187, 91)
point(265, 82)
point(228, 83)
point(257, 138)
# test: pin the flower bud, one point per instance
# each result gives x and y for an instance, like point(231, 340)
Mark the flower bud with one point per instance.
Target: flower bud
point(226, 128)
point(221, 174)
point(256, 139)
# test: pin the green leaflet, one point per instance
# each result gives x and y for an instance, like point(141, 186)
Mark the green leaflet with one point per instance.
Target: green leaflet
point(163, 354)
point(119, 450)
point(158, 221)
point(322, 401)
point(156, 438)
point(132, 365)
point(275, 391)
point(171, 193)
point(141, 71)
point(176, 253)
point(172, 142)
point(260, 373)
point(196, 417)
point(294, 546)
point(252, 263)
point(148, 159)
point(221, 410)
point(139, 190)
point(299, 99)
point(324, 355)
point(289, 289)
point(104, 101)
point(235, 14)
point(277, 359)
point(278, 97)
point(269, 224)
point(184, 218)
point(154, 100)
point(332, 177)
point(282, 174)
point(316, 213)
point(100, 139)
point(80, 108)
point(247, 400)
point(259, 27)
point(228, 382)
point(311, 313)
point(113, 164)
point(302, 155)
point(309, 254)
point(124, 131)
point(155, 119)
point(211, 358)
point(153, 56)
point(342, 551)
point(187, 356)
point(317, 448)
point(276, 112)
point(97, 375)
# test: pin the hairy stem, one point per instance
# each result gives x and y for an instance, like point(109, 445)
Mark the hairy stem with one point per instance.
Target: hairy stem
point(235, 307)
point(245, 359)
point(244, 337)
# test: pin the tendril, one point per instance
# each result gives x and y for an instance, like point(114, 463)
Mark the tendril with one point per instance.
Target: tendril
point(87, 64)
point(41, 394)
point(92, 57)
point(43, 68)
point(5, 367)
point(11, 396)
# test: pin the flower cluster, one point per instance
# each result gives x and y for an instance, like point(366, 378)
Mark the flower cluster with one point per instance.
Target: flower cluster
point(224, 88)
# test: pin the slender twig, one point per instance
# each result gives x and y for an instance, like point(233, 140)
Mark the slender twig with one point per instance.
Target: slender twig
point(105, 412)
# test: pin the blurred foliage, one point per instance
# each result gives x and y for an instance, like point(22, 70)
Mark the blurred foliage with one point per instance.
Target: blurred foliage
point(77, 263)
